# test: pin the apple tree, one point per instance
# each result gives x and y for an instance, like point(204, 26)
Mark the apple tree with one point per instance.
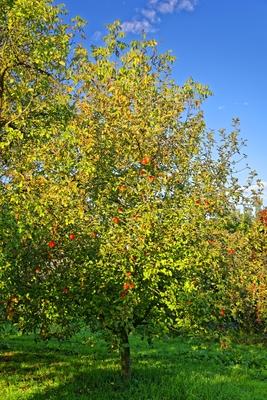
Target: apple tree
point(35, 105)
point(117, 203)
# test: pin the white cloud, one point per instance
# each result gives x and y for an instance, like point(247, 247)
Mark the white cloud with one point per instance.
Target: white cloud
point(150, 14)
point(137, 26)
point(187, 5)
point(167, 7)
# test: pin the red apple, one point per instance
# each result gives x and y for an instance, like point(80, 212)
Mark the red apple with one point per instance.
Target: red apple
point(52, 244)
point(116, 220)
point(122, 188)
point(222, 312)
point(126, 286)
point(145, 160)
point(231, 251)
point(72, 236)
point(151, 178)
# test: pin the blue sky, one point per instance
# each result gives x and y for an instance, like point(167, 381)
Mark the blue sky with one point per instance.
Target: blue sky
point(222, 43)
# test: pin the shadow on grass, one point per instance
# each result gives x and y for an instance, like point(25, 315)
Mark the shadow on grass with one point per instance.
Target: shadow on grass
point(169, 372)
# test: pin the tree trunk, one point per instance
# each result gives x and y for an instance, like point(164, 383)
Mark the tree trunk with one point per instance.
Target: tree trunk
point(125, 356)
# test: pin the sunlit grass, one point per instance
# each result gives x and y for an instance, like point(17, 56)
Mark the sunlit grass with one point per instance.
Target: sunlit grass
point(170, 369)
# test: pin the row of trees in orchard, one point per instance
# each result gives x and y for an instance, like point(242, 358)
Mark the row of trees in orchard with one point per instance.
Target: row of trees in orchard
point(119, 207)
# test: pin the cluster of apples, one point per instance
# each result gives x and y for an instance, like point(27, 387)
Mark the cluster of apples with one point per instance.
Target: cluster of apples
point(129, 285)
point(146, 161)
point(53, 244)
point(200, 202)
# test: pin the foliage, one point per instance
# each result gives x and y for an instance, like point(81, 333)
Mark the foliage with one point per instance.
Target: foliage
point(118, 206)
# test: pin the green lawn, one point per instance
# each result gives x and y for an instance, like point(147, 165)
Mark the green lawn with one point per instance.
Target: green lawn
point(171, 369)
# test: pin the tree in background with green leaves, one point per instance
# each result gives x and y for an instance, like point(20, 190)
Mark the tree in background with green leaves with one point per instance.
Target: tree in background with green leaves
point(35, 109)
point(118, 207)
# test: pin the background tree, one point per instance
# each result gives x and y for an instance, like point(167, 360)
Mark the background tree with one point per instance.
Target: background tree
point(117, 204)
point(35, 106)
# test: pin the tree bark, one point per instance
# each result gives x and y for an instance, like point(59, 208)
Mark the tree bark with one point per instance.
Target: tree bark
point(125, 355)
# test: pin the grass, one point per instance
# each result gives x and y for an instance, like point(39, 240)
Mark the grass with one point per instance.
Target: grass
point(171, 369)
